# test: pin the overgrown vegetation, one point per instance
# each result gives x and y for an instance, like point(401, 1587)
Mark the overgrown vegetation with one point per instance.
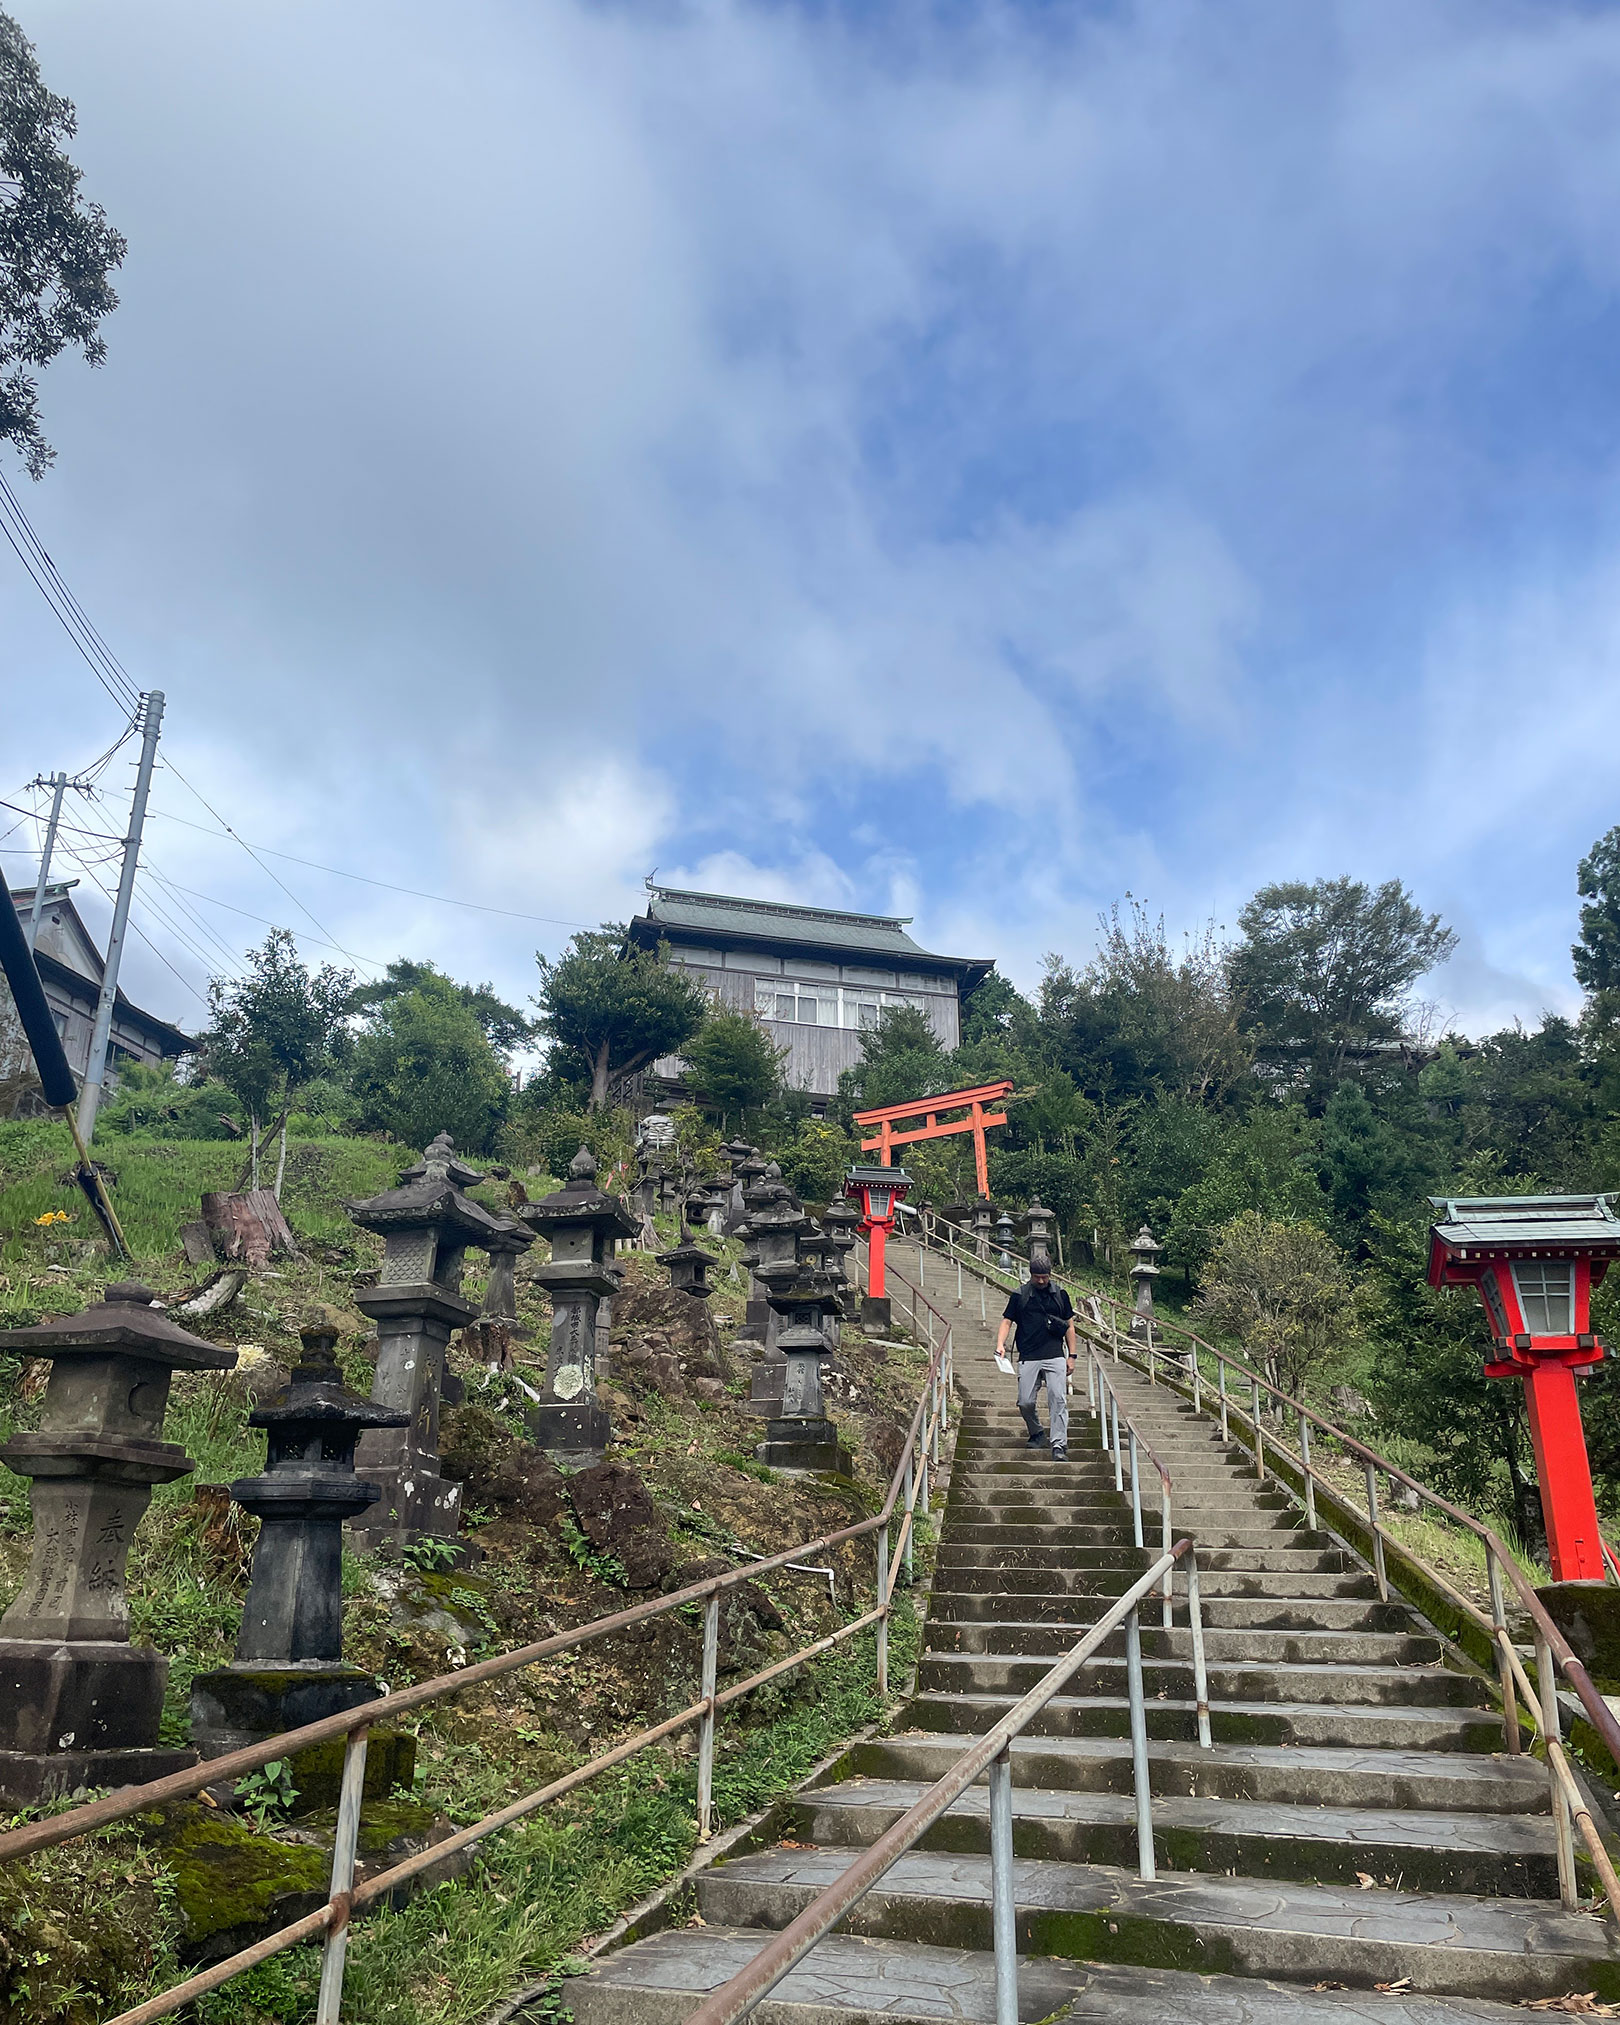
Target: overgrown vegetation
point(548, 1563)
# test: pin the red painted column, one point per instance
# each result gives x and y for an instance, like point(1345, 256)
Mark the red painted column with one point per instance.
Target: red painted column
point(877, 1236)
point(979, 1166)
point(1563, 1472)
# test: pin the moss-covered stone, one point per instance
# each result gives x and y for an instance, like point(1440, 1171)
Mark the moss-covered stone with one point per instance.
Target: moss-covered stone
point(234, 1883)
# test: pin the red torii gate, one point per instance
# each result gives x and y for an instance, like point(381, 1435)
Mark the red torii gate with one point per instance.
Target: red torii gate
point(929, 1109)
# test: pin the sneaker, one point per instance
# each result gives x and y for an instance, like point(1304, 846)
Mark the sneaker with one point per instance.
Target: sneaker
point(1039, 1438)
point(1060, 1455)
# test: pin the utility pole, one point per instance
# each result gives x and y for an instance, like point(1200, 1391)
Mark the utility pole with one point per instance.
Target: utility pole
point(57, 782)
point(95, 1072)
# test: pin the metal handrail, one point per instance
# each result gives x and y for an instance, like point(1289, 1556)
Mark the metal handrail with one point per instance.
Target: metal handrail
point(992, 1753)
point(907, 1488)
point(1553, 1652)
point(1102, 1402)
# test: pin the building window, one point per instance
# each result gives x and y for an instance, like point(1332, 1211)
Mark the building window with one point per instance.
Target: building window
point(59, 1020)
point(828, 1005)
point(1547, 1296)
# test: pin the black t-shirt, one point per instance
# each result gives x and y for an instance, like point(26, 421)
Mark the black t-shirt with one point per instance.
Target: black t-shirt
point(1034, 1310)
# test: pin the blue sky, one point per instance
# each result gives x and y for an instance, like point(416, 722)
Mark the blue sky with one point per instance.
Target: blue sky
point(969, 461)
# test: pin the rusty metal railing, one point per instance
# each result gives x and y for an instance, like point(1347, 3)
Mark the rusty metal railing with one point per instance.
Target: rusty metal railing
point(1180, 1361)
point(991, 1755)
point(908, 1489)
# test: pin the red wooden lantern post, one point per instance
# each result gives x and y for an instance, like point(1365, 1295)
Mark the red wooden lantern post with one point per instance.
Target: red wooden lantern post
point(877, 1190)
point(1535, 1260)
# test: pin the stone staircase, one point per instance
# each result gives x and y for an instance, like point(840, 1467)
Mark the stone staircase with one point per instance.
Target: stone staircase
point(1356, 1826)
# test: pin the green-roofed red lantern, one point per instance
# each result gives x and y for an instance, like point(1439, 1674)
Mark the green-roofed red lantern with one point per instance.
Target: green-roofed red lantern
point(1536, 1260)
point(877, 1190)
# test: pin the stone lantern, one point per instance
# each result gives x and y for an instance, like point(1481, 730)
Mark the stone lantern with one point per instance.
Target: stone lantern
point(1145, 1250)
point(798, 1435)
point(426, 1225)
point(840, 1220)
point(777, 1226)
point(745, 1177)
point(584, 1226)
point(1004, 1240)
point(1038, 1223)
point(689, 1269)
point(79, 1705)
point(983, 1217)
point(289, 1667)
point(504, 1246)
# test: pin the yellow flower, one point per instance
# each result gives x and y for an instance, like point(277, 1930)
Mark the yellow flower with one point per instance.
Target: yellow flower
point(54, 1216)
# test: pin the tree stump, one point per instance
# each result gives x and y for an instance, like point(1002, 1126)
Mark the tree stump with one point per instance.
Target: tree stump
point(249, 1227)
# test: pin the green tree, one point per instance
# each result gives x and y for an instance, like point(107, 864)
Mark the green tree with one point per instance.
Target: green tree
point(1597, 954)
point(1266, 1163)
point(614, 1007)
point(425, 1065)
point(152, 1101)
point(505, 1027)
point(734, 1064)
point(901, 1058)
point(814, 1161)
point(1368, 1163)
point(272, 1032)
point(1325, 971)
point(1281, 1288)
point(57, 251)
point(995, 1010)
point(1142, 1021)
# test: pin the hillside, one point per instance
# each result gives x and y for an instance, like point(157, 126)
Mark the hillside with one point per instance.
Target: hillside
point(690, 1500)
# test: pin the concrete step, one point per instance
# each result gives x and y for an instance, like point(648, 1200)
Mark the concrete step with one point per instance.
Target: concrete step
point(1384, 1686)
point(1371, 1726)
point(1486, 1855)
point(1298, 1774)
point(1274, 1549)
point(1438, 1944)
point(1212, 1534)
point(1050, 1640)
point(1220, 1610)
point(975, 1565)
point(851, 1980)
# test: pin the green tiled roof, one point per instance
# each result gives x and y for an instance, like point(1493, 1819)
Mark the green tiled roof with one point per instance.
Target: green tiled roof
point(1526, 1219)
point(724, 916)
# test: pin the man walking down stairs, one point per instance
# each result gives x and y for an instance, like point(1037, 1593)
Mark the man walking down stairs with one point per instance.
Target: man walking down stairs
point(1356, 1846)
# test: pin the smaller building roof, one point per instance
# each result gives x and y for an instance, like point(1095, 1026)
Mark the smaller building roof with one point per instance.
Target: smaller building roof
point(1521, 1226)
point(85, 978)
point(778, 924)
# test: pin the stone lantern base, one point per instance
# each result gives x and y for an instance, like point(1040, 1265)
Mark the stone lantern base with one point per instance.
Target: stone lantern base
point(576, 1432)
point(876, 1316)
point(767, 1384)
point(807, 1446)
point(243, 1703)
point(79, 1715)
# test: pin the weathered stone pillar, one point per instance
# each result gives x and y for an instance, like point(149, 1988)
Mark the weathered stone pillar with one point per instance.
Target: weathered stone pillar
point(289, 1667)
point(1038, 1226)
point(504, 1246)
point(1144, 1271)
point(983, 1217)
point(799, 1436)
point(1004, 1241)
point(583, 1225)
point(746, 1176)
point(426, 1225)
point(79, 1705)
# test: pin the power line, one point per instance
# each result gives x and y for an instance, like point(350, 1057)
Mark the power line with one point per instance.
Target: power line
point(35, 558)
point(263, 867)
point(141, 932)
point(388, 885)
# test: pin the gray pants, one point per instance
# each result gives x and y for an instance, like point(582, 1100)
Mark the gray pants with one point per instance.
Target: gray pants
point(1053, 1373)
